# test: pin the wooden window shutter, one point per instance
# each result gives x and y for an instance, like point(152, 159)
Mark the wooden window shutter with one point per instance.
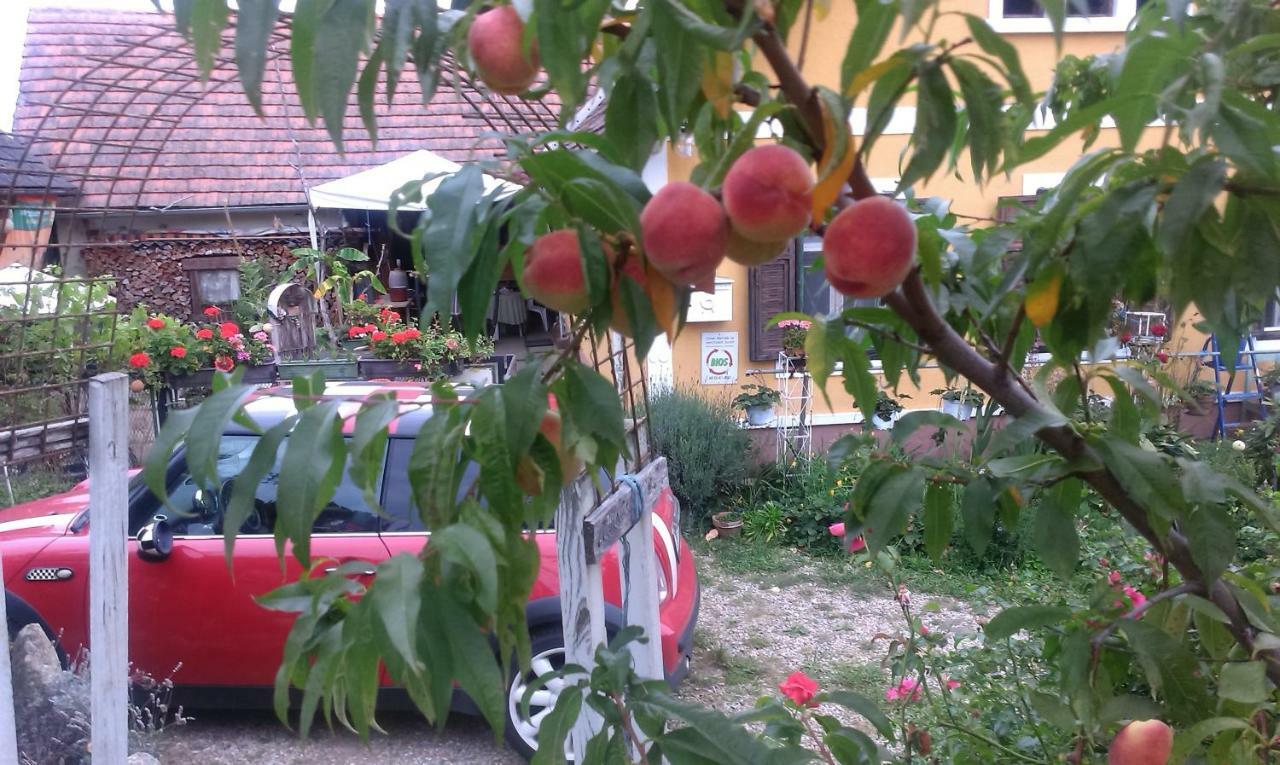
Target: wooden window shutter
point(771, 290)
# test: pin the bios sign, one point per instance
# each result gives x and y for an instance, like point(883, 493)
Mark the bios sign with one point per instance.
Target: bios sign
point(719, 358)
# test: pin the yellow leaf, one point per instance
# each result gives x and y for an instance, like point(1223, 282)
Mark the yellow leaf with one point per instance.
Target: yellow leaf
point(662, 296)
point(867, 76)
point(1042, 299)
point(717, 82)
point(833, 173)
point(821, 8)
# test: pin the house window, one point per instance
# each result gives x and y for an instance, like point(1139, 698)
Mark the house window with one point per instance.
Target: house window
point(816, 296)
point(215, 280)
point(1270, 324)
point(1027, 16)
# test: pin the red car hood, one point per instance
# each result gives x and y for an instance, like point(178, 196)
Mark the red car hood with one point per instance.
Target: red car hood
point(43, 517)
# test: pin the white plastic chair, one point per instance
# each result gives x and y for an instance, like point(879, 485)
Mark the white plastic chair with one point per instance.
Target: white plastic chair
point(541, 310)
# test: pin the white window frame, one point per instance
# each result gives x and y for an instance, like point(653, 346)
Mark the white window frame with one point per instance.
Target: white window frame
point(1118, 21)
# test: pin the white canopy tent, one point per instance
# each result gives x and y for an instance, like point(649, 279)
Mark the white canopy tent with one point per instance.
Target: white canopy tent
point(372, 189)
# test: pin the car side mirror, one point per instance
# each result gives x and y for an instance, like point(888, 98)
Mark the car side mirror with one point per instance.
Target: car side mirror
point(155, 540)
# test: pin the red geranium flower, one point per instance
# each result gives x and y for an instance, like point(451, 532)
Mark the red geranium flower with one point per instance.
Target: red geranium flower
point(378, 335)
point(399, 337)
point(1159, 330)
point(370, 327)
point(224, 364)
point(155, 323)
point(800, 688)
point(1162, 357)
point(1126, 338)
point(178, 352)
point(356, 331)
point(204, 334)
point(212, 310)
point(412, 333)
point(139, 360)
point(228, 329)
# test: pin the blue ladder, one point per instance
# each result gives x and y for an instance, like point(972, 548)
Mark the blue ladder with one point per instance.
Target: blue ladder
point(1225, 393)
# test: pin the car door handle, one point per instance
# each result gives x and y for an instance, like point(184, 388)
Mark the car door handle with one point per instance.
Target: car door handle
point(363, 572)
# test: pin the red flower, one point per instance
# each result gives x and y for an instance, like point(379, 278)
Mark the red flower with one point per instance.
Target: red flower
point(1159, 330)
point(228, 329)
point(204, 334)
point(855, 545)
point(399, 337)
point(139, 360)
point(212, 310)
point(1126, 338)
point(387, 313)
point(378, 335)
point(356, 331)
point(412, 333)
point(155, 323)
point(224, 364)
point(1162, 357)
point(370, 327)
point(800, 688)
point(178, 352)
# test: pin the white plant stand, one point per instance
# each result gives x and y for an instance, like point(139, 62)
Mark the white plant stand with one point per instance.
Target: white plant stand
point(794, 426)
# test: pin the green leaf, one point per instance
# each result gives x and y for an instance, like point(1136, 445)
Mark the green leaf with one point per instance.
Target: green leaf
point(255, 21)
point(1149, 64)
point(477, 669)
point(1145, 474)
point(155, 470)
point(449, 241)
point(1170, 668)
point(1011, 621)
point(244, 490)
point(939, 518)
point(462, 545)
point(875, 21)
point(913, 421)
point(1127, 707)
point(208, 19)
point(203, 439)
point(862, 705)
point(427, 48)
point(679, 60)
point(719, 37)
point(1211, 535)
point(435, 467)
point(1185, 741)
point(309, 473)
point(996, 45)
point(591, 410)
point(1245, 682)
point(638, 309)
point(395, 599)
point(888, 90)
point(631, 118)
point(307, 19)
point(1092, 115)
point(984, 109)
point(1054, 534)
point(852, 747)
point(555, 728)
point(935, 125)
point(342, 35)
point(978, 509)
point(601, 204)
point(369, 443)
point(822, 344)
point(895, 499)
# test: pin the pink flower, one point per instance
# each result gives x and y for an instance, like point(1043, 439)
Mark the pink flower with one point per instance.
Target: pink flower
point(451, 344)
point(1162, 357)
point(261, 337)
point(242, 356)
point(949, 683)
point(800, 688)
point(1126, 338)
point(1135, 597)
point(855, 545)
point(907, 690)
point(1113, 578)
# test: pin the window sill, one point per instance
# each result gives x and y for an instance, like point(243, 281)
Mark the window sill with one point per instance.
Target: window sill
point(1073, 25)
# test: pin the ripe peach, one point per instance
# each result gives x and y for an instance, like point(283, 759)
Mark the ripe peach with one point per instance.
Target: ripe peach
point(768, 194)
point(553, 272)
point(869, 248)
point(685, 233)
point(496, 41)
point(750, 253)
point(1141, 742)
point(551, 427)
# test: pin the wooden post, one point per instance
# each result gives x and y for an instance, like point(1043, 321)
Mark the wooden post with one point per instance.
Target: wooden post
point(8, 728)
point(108, 569)
point(581, 596)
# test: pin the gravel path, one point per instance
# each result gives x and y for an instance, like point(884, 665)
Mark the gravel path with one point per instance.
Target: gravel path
point(753, 631)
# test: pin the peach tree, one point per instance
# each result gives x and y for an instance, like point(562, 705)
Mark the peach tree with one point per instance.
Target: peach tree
point(1182, 200)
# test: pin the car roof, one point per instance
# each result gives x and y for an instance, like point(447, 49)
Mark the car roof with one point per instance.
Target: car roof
point(271, 405)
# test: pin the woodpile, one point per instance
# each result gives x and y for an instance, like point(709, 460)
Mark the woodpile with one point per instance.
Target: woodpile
point(150, 271)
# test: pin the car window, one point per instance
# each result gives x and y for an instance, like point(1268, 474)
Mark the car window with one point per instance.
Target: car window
point(199, 512)
point(397, 495)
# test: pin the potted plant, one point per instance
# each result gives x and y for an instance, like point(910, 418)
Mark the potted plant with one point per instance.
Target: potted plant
point(757, 401)
point(1271, 383)
point(1201, 392)
point(960, 403)
point(728, 524)
point(793, 335)
point(886, 411)
point(164, 350)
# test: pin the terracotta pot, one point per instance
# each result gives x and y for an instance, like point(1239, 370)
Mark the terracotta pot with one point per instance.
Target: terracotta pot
point(728, 523)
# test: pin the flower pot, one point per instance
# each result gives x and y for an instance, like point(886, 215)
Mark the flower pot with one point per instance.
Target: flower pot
point(333, 369)
point(760, 414)
point(259, 374)
point(966, 411)
point(727, 523)
point(880, 423)
point(951, 407)
point(391, 369)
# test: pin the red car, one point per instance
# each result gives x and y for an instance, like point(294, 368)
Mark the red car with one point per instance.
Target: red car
point(189, 618)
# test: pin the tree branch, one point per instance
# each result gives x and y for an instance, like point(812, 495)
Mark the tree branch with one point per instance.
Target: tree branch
point(1185, 588)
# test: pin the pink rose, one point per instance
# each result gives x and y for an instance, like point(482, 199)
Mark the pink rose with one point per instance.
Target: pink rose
point(800, 688)
point(907, 690)
point(855, 545)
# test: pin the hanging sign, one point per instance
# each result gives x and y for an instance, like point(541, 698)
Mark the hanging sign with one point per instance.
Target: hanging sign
point(719, 358)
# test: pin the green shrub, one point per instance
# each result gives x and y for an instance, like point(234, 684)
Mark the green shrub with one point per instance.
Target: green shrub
point(708, 455)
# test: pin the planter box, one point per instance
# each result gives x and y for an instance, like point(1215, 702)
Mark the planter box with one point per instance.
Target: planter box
point(760, 415)
point(390, 369)
point(881, 424)
point(261, 374)
point(334, 369)
point(957, 409)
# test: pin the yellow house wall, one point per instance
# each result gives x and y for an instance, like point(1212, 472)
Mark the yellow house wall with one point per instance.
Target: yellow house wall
point(822, 66)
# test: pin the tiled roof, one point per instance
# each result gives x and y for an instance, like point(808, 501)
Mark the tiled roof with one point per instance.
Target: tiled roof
point(23, 172)
point(113, 101)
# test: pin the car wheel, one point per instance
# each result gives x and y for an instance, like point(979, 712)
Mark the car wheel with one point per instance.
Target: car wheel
point(20, 615)
point(547, 652)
